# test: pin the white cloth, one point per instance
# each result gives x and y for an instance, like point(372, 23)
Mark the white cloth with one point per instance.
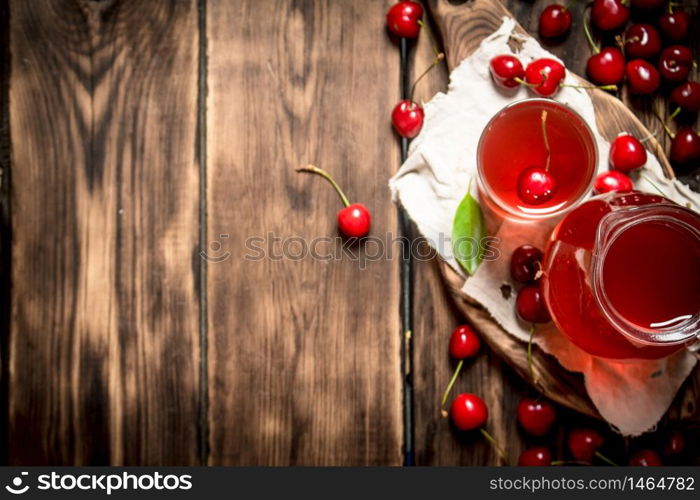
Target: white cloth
point(631, 395)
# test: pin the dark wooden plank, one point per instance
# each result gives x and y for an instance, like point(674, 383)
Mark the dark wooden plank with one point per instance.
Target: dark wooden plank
point(104, 341)
point(304, 354)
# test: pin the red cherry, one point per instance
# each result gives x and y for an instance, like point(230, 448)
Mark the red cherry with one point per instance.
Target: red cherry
point(402, 19)
point(607, 67)
point(525, 263)
point(642, 40)
point(687, 96)
point(536, 185)
point(545, 75)
point(583, 443)
point(675, 24)
point(536, 417)
point(530, 305)
point(609, 15)
point(612, 181)
point(464, 342)
point(675, 444)
point(535, 457)
point(468, 412)
point(506, 70)
point(642, 77)
point(627, 153)
point(555, 21)
point(675, 63)
point(685, 147)
point(645, 458)
point(353, 220)
point(407, 118)
point(648, 4)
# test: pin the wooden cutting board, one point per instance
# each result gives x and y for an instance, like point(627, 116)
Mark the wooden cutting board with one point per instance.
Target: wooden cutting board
point(462, 26)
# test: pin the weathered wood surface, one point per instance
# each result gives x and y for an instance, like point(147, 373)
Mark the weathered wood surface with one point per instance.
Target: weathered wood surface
point(304, 353)
point(104, 346)
point(141, 132)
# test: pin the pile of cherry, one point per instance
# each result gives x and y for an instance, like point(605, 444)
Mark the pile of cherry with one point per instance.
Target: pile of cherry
point(649, 57)
point(536, 416)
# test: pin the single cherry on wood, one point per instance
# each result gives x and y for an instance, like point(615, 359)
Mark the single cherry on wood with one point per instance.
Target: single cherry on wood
point(674, 24)
point(613, 180)
point(555, 21)
point(353, 219)
point(536, 416)
point(675, 63)
point(606, 66)
point(642, 77)
point(535, 457)
point(685, 147)
point(584, 445)
point(642, 41)
point(536, 185)
point(403, 18)
point(469, 412)
point(609, 15)
point(687, 97)
point(675, 444)
point(407, 116)
point(627, 153)
point(645, 458)
point(507, 71)
point(526, 264)
point(464, 343)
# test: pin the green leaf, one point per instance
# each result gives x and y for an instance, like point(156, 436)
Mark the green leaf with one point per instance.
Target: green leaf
point(468, 231)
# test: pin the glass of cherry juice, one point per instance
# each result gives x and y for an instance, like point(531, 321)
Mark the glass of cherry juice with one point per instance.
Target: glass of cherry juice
point(536, 137)
point(622, 276)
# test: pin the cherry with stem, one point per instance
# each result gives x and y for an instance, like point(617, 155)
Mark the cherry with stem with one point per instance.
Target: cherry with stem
point(536, 185)
point(353, 219)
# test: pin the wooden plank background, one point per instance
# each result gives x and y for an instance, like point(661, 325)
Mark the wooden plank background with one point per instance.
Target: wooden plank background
point(145, 143)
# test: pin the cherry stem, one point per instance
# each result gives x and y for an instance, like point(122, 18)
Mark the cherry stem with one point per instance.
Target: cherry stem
point(529, 353)
point(546, 140)
point(313, 169)
point(568, 5)
point(589, 87)
point(449, 387)
point(675, 113)
point(527, 84)
point(439, 57)
point(605, 459)
point(589, 37)
point(653, 184)
point(663, 122)
point(495, 444)
point(570, 462)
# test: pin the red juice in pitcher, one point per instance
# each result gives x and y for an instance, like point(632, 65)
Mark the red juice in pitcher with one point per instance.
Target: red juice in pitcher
point(514, 140)
point(622, 276)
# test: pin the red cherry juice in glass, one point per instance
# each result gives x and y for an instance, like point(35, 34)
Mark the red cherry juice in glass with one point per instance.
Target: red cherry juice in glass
point(622, 276)
point(513, 141)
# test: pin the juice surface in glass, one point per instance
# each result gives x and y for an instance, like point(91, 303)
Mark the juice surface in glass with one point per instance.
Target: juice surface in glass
point(622, 276)
point(513, 141)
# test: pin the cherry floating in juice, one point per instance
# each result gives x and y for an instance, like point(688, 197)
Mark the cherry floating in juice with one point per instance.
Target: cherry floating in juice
point(622, 276)
point(513, 142)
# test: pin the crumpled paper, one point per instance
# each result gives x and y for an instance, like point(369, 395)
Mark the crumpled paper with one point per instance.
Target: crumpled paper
point(631, 395)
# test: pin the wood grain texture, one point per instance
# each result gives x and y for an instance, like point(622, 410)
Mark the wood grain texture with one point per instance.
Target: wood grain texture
point(104, 340)
point(304, 353)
